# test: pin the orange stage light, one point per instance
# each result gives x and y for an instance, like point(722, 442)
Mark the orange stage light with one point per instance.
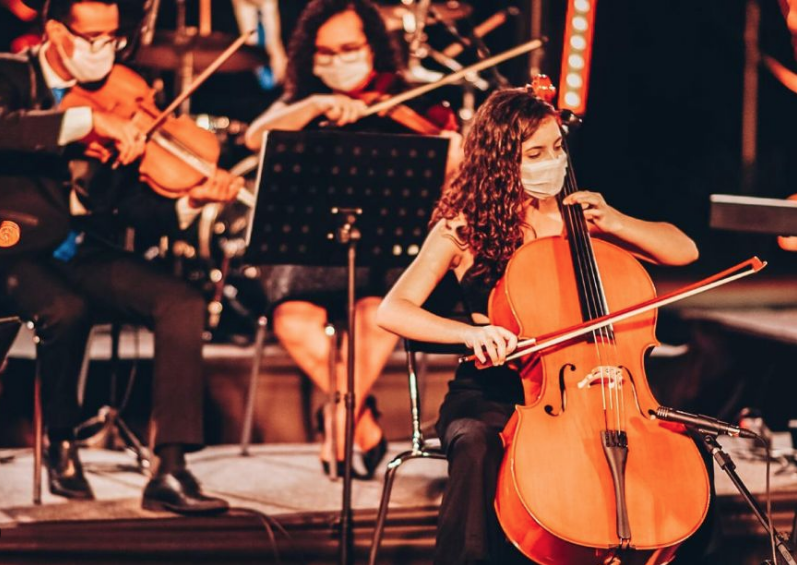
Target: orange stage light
point(576, 55)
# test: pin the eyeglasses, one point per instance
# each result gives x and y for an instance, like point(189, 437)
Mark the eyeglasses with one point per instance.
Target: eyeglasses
point(347, 54)
point(98, 43)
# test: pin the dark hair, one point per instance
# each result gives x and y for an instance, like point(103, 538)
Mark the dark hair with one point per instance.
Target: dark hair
point(300, 82)
point(60, 9)
point(131, 12)
point(487, 191)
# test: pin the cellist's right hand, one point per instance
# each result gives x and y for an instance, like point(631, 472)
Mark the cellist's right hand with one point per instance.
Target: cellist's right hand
point(127, 138)
point(490, 342)
point(339, 108)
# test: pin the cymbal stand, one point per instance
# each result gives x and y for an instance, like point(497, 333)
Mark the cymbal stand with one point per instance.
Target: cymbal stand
point(414, 26)
point(183, 40)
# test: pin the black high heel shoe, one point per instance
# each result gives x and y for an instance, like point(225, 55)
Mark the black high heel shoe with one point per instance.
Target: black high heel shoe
point(326, 466)
point(373, 457)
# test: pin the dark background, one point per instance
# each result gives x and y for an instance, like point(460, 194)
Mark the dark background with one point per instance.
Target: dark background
point(662, 129)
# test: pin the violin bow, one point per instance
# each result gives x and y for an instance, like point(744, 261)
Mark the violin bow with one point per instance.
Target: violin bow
point(454, 77)
point(532, 345)
point(203, 76)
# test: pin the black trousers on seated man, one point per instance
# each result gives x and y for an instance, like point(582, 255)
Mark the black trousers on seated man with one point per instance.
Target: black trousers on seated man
point(64, 297)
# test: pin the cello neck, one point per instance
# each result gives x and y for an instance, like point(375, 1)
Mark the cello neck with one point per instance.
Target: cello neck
point(585, 267)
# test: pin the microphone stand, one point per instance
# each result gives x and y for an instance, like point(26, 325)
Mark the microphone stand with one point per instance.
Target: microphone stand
point(472, 40)
point(726, 464)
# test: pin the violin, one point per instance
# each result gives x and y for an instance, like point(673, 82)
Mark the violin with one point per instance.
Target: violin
point(179, 155)
point(588, 477)
point(393, 106)
point(401, 113)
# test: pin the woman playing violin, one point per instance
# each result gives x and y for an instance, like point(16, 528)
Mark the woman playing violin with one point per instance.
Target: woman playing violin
point(504, 196)
point(339, 51)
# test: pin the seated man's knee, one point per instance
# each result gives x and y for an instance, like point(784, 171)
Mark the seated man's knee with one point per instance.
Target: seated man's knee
point(66, 313)
point(186, 304)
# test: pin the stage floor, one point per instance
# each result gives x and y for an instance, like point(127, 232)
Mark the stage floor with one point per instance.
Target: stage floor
point(284, 483)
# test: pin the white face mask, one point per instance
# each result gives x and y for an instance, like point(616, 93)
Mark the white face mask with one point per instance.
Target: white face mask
point(345, 76)
point(544, 179)
point(84, 64)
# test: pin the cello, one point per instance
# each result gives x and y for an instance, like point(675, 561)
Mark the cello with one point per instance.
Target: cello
point(587, 476)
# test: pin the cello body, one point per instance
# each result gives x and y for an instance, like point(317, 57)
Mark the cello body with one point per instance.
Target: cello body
point(558, 499)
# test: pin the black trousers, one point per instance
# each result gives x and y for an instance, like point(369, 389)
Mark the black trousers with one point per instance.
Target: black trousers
point(65, 297)
point(476, 409)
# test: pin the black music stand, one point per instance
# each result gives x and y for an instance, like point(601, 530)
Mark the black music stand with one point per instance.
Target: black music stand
point(771, 216)
point(324, 195)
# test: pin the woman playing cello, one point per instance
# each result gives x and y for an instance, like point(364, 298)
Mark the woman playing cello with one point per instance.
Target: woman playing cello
point(504, 196)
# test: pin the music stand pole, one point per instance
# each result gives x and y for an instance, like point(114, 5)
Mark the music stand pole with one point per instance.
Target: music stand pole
point(348, 234)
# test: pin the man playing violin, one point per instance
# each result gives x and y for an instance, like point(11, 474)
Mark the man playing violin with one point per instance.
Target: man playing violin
point(69, 268)
point(340, 54)
point(504, 196)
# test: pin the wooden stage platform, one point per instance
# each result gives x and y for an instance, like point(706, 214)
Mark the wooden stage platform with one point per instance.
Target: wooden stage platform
point(285, 511)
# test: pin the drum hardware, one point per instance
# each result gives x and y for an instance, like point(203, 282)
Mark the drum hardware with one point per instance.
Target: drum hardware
point(165, 52)
point(404, 17)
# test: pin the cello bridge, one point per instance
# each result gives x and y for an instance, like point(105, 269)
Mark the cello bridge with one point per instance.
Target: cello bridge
point(603, 375)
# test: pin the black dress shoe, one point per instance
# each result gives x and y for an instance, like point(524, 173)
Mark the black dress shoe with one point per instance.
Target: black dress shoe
point(180, 492)
point(65, 473)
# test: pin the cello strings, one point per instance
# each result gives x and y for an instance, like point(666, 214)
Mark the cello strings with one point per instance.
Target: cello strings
point(576, 228)
point(596, 305)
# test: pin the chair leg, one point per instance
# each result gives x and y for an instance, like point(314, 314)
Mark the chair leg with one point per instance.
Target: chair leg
point(38, 432)
point(246, 434)
point(384, 504)
point(331, 408)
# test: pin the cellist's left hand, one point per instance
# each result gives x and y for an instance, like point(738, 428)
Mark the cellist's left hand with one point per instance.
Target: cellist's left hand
point(597, 212)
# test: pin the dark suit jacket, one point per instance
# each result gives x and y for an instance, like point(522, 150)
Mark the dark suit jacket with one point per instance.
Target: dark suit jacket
point(35, 180)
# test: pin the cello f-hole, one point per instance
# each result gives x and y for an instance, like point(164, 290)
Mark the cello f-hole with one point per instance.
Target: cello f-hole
point(633, 389)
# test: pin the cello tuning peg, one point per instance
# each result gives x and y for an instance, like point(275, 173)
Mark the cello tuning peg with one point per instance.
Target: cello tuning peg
point(570, 119)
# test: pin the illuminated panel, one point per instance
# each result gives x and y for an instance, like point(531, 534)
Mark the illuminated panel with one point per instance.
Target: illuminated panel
point(576, 55)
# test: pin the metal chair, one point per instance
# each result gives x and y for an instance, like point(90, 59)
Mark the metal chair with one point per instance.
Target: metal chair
point(9, 326)
point(447, 301)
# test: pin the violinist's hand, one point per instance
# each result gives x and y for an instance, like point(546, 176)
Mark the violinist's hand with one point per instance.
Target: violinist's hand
point(339, 108)
point(127, 138)
point(221, 187)
point(493, 342)
point(596, 211)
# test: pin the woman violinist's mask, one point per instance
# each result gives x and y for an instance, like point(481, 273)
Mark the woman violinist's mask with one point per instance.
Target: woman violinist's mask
point(544, 179)
point(344, 72)
point(87, 64)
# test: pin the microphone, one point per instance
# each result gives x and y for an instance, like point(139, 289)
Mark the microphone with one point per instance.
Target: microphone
point(702, 422)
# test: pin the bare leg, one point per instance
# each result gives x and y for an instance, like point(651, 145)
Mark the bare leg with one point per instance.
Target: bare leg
point(300, 328)
point(373, 349)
